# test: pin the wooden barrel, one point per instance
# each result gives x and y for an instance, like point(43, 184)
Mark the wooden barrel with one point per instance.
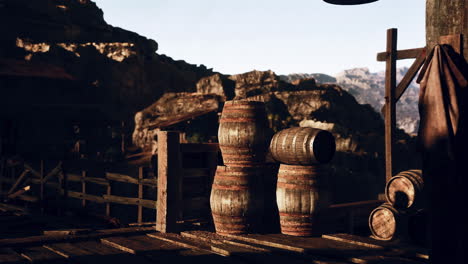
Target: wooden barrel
point(301, 194)
point(237, 199)
point(303, 146)
point(405, 190)
point(388, 223)
point(243, 133)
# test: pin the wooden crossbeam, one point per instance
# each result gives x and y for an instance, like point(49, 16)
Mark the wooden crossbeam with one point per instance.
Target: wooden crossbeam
point(401, 54)
point(20, 179)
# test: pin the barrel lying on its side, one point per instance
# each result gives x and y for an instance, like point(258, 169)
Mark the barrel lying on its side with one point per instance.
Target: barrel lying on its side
point(243, 133)
point(406, 190)
point(303, 146)
point(387, 223)
point(237, 199)
point(301, 195)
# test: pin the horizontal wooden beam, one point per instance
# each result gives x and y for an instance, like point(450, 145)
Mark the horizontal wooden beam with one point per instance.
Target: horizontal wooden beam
point(131, 201)
point(128, 179)
point(402, 54)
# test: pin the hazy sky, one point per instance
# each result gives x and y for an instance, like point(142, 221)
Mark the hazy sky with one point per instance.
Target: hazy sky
point(294, 36)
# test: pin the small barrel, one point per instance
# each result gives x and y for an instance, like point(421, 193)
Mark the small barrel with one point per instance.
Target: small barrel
point(301, 194)
point(243, 133)
point(405, 190)
point(237, 199)
point(303, 146)
point(387, 223)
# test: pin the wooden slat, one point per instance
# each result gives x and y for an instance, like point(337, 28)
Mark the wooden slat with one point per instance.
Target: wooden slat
point(89, 197)
point(199, 147)
point(41, 255)
point(67, 250)
point(111, 254)
point(131, 201)
point(53, 172)
point(128, 179)
point(395, 246)
point(138, 244)
point(40, 240)
point(8, 255)
point(83, 178)
point(401, 54)
point(18, 181)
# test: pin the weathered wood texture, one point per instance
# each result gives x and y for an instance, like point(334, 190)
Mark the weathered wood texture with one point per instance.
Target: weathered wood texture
point(169, 181)
point(243, 132)
point(303, 146)
point(301, 194)
point(406, 190)
point(237, 199)
point(387, 223)
point(390, 102)
point(446, 18)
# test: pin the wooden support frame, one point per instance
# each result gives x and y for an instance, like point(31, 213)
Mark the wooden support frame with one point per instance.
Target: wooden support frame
point(393, 92)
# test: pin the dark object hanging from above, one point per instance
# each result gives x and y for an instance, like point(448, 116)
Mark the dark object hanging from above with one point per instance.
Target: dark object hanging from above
point(349, 2)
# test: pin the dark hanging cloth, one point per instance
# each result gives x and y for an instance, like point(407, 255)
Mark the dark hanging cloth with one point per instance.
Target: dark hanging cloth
point(443, 141)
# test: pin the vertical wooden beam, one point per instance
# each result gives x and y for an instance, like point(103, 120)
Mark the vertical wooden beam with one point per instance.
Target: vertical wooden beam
point(108, 205)
point(169, 181)
point(140, 194)
point(390, 114)
point(83, 188)
point(41, 187)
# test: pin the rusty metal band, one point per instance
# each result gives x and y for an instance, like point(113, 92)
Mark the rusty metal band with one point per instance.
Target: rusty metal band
point(230, 217)
point(229, 187)
point(230, 178)
point(294, 214)
point(298, 177)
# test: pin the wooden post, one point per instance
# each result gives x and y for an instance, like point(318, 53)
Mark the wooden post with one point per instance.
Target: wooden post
point(169, 181)
point(41, 187)
point(83, 188)
point(108, 205)
point(390, 114)
point(140, 194)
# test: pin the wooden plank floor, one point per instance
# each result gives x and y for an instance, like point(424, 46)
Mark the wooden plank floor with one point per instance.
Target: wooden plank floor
point(134, 245)
point(207, 247)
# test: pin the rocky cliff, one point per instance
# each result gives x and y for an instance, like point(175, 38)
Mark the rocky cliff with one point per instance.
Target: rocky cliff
point(73, 35)
point(369, 88)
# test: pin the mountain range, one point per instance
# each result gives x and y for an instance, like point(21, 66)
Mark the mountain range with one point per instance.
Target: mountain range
point(369, 88)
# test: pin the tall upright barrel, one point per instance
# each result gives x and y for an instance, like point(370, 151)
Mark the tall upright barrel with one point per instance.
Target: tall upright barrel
point(237, 199)
point(301, 194)
point(243, 133)
point(303, 146)
point(406, 190)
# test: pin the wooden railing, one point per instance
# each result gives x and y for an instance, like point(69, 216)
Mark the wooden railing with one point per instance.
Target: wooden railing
point(180, 175)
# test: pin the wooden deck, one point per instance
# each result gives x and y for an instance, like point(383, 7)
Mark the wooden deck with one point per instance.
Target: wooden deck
point(142, 244)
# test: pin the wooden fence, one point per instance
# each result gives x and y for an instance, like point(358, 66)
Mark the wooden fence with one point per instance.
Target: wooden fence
point(175, 184)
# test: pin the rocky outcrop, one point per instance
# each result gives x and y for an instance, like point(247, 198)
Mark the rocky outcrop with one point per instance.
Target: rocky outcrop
point(369, 88)
point(73, 35)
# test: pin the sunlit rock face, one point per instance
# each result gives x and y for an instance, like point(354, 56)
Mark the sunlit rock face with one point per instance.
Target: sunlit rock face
point(72, 34)
point(369, 88)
